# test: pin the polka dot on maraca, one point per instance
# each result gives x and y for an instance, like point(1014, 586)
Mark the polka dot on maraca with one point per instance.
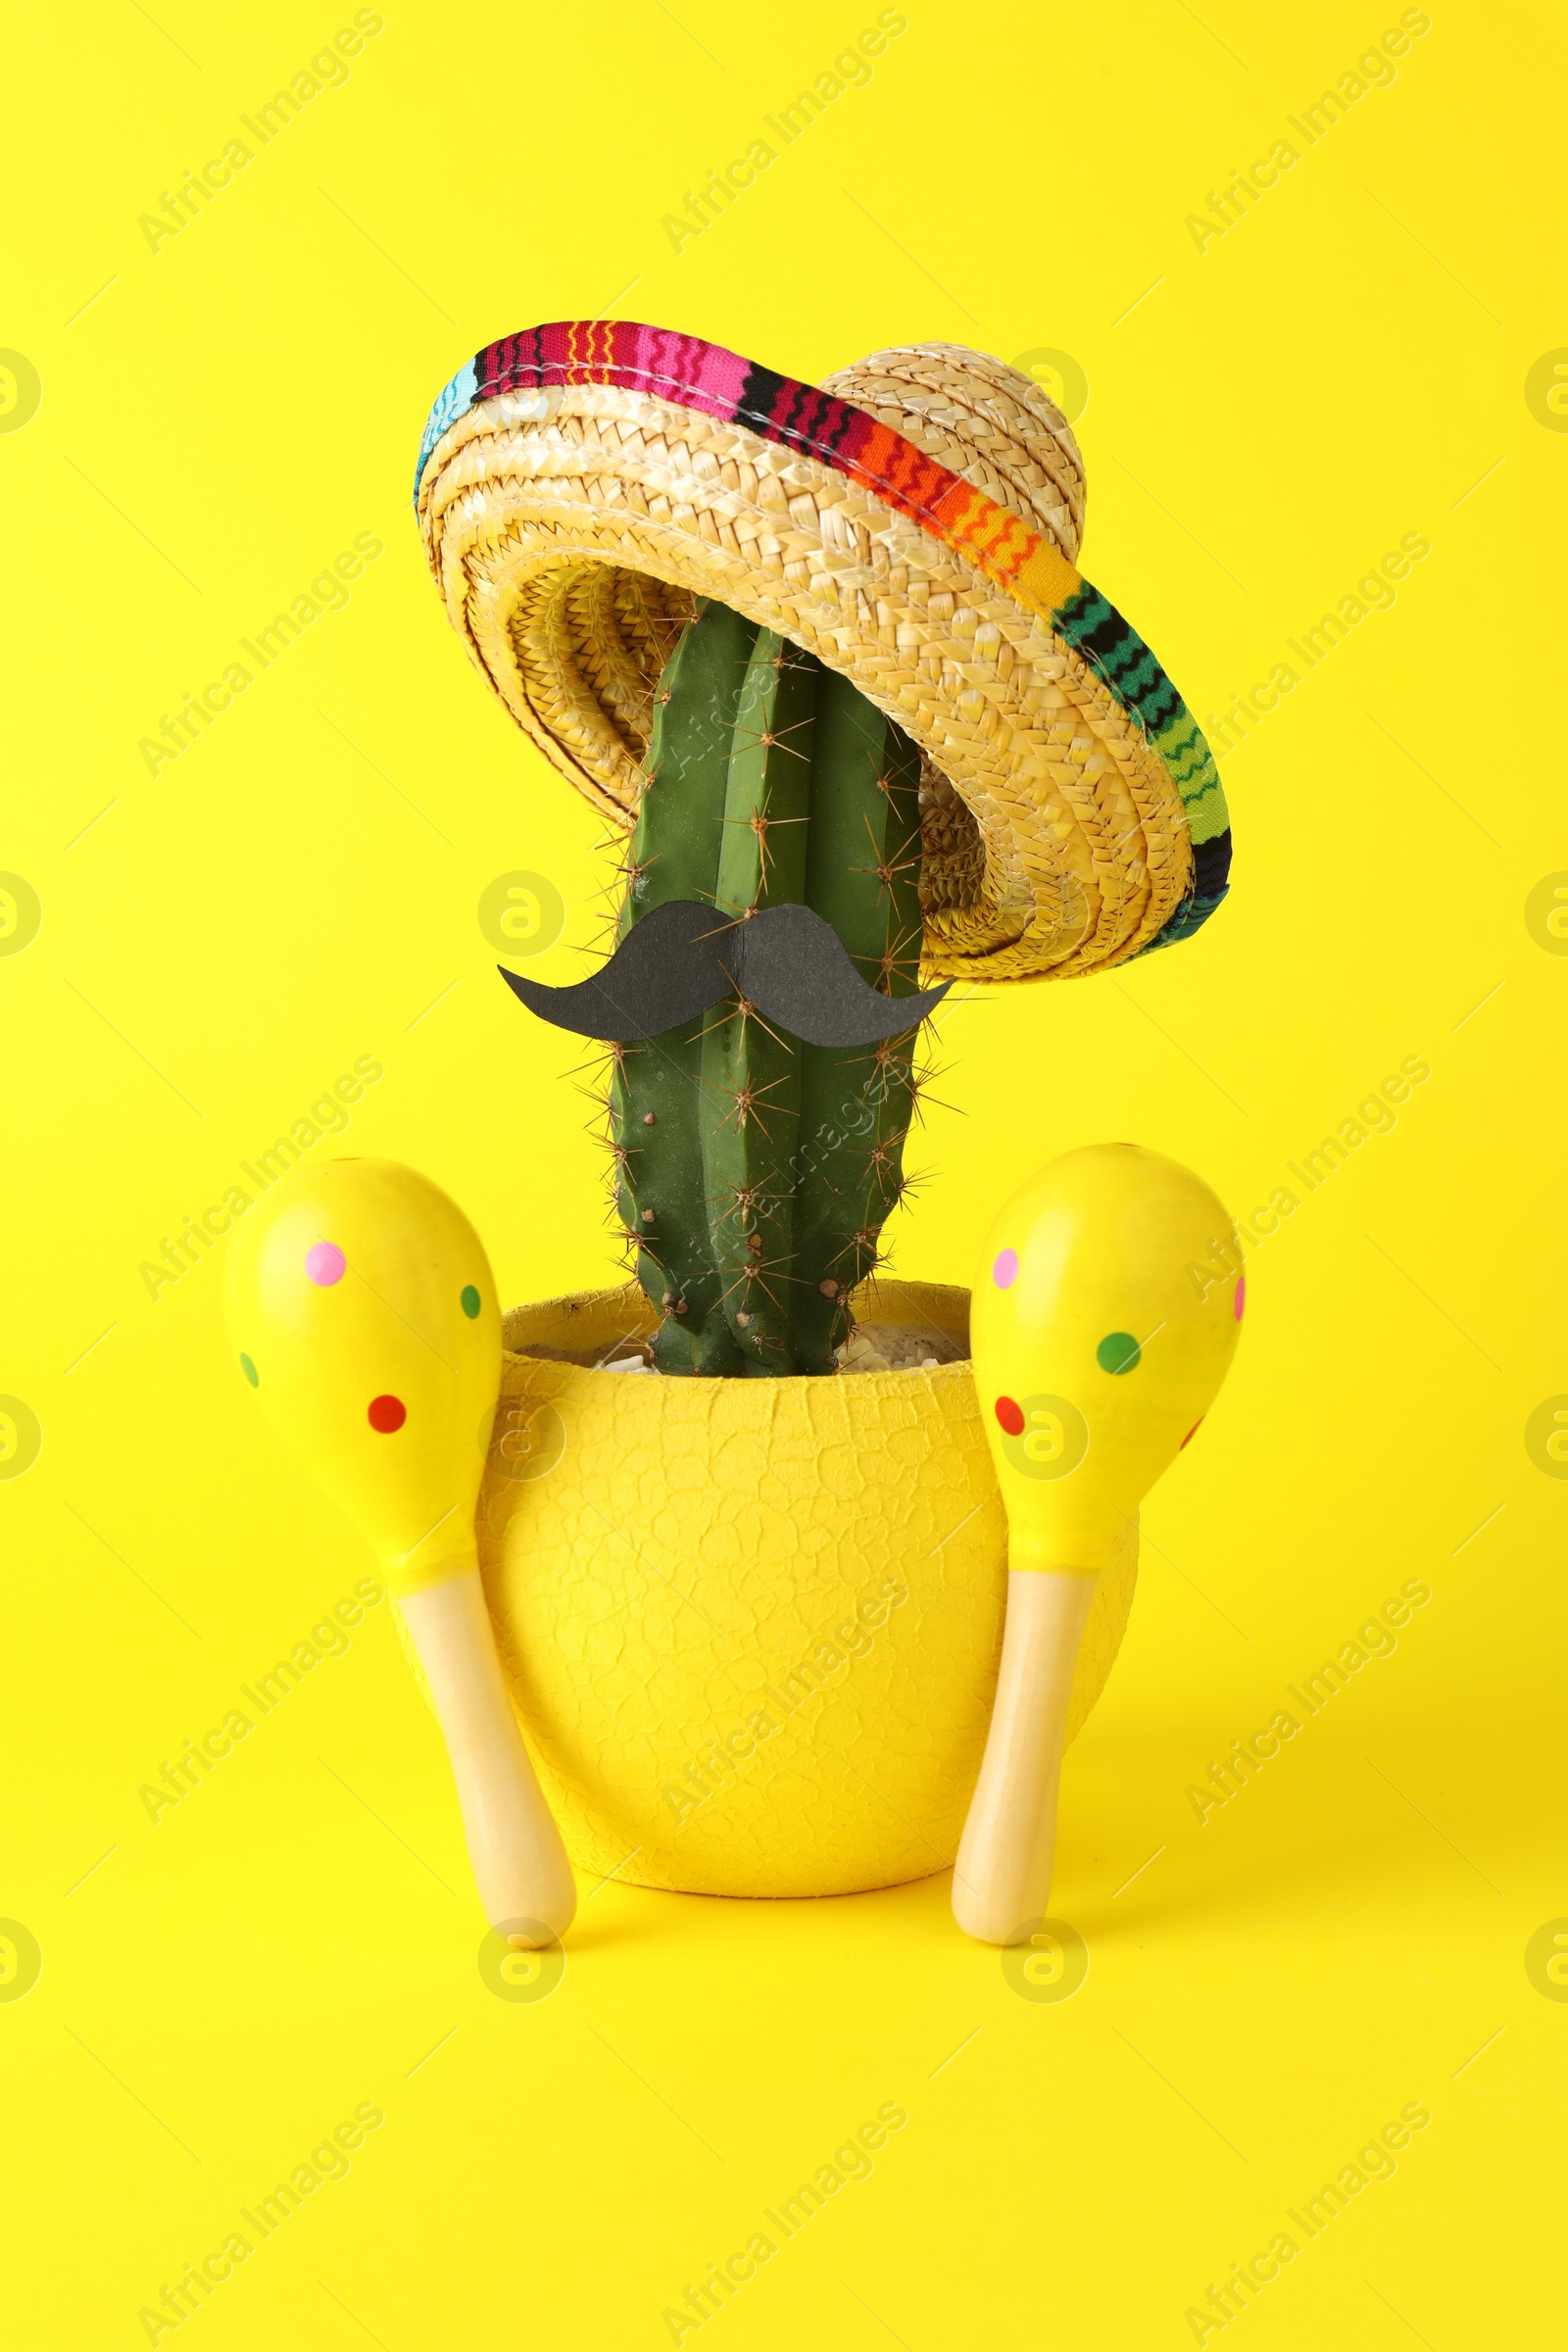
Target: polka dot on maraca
point(1005, 1273)
point(1010, 1416)
point(1119, 1352)
point(469, 1301)
point(1240, 1296)
point(249, 1370)
point(386, 1413)
point(325, 1263)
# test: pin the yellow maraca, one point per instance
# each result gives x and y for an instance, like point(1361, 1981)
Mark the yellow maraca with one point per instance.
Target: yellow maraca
point(1099, 1333)
point(364, 1311)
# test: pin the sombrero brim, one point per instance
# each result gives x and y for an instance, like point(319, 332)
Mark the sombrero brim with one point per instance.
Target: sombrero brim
point(581, 484)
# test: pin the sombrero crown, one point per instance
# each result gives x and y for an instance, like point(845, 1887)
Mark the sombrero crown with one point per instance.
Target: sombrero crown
point(914, 522)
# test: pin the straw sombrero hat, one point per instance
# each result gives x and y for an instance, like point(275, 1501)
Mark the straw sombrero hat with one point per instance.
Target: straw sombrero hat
point(914, 522)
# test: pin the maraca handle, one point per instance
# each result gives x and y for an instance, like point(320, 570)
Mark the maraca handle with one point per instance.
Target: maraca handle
point(520, 1863)
point(1001, 1878)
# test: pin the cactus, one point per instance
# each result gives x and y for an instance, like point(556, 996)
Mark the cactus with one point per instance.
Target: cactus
point(755, 1171)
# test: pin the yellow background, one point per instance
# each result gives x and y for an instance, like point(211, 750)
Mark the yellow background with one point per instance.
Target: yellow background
point(218, 421)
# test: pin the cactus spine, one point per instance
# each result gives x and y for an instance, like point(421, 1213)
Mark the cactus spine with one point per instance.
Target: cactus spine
point(756, 1172)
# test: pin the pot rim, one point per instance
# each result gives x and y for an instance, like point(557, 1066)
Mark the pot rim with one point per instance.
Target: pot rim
point(575, 1314)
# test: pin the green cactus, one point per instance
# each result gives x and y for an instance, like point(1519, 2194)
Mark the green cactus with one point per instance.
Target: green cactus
point(755, 1171)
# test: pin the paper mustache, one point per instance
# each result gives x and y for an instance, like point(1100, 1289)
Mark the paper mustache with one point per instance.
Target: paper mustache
point(681, 958)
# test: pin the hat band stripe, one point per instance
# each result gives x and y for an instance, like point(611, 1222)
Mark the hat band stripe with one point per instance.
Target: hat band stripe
point(694, 374)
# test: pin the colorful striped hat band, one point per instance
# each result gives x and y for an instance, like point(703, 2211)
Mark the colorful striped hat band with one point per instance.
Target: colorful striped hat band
point(914, 523)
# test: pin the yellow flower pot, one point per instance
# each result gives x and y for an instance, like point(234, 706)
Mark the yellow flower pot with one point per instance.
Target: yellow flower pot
point(752, 1626)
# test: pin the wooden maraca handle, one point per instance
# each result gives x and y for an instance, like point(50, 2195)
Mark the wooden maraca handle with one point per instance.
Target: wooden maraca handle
point(520, 1863)
point(1002, 1879)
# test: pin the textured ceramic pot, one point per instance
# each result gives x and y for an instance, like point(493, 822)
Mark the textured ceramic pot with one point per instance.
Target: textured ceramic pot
point(752, 1626)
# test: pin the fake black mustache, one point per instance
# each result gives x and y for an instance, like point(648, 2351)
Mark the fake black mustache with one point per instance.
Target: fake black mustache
point(681, 958)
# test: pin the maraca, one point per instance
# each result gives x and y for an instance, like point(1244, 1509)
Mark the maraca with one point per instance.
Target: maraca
point(1098, 1349)
point(362, 1305)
